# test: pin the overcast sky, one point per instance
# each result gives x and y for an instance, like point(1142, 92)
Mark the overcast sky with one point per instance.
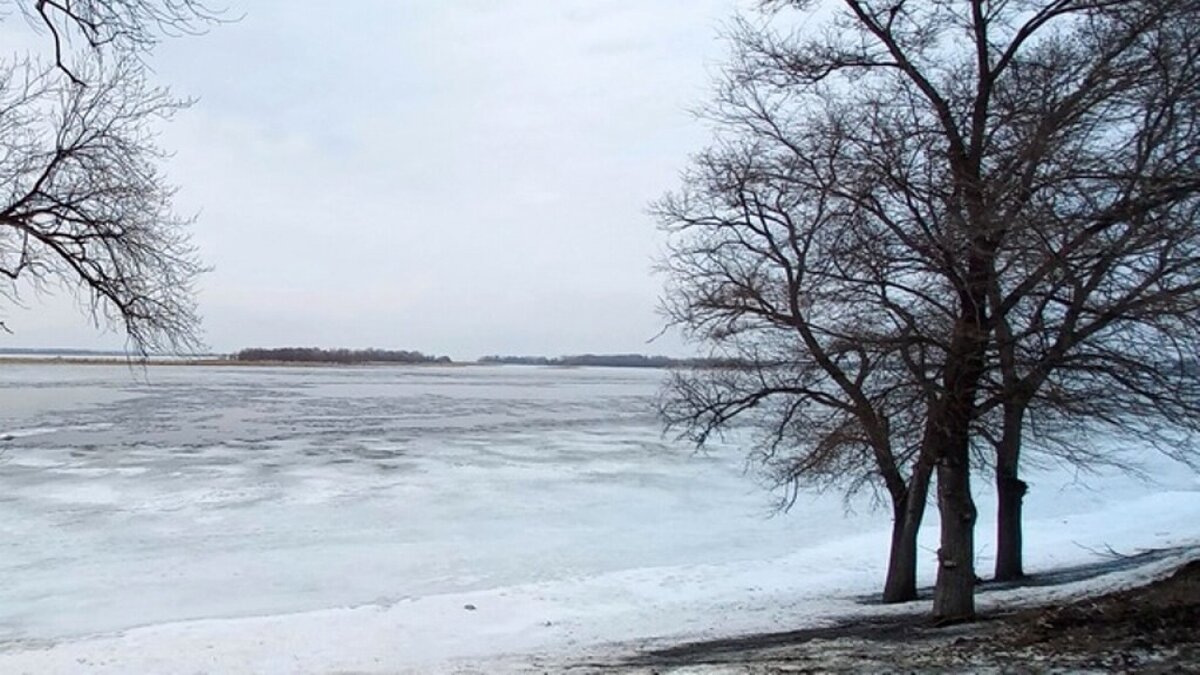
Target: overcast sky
point(461, 177)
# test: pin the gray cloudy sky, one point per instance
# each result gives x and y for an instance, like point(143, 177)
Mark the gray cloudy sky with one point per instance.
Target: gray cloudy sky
point(455, 176)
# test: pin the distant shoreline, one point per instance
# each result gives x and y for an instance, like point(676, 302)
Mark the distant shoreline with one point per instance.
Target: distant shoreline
point(135, 361)
point(351, 360)
point(235, 363)
point(207, 361)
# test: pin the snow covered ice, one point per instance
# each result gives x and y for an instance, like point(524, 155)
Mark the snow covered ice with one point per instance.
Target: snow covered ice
point(183, 519)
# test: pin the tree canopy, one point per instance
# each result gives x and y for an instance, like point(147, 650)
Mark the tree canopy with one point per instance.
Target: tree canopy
point(931, 222)
point(85, 206)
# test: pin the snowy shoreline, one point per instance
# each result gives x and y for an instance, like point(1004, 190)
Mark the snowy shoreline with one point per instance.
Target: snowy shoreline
point(329, 520)
point(506, 631)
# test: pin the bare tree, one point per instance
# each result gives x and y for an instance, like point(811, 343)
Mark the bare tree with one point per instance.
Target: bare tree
point(1095, 302)
point(84, 204)
point(1012, 186)
point(766, 268)
point(887, 276)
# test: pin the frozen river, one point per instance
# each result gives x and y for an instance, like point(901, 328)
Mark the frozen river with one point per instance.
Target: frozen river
point(134, 496)
point(256, 519)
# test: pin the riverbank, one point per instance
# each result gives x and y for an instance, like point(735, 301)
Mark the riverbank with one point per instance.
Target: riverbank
point(1149, 627)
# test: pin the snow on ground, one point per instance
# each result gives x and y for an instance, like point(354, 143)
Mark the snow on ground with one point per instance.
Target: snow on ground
point(183, 519)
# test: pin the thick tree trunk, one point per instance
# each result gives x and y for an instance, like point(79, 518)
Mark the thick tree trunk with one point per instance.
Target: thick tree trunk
point(954, 594)
point(948, 425)
point(907, 513)
point(1010, 495)
point(950, 434)
point(1010, 492)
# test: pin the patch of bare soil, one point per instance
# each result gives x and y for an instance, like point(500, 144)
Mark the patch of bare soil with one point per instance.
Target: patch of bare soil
point(1155, 629)
point(1152, 629)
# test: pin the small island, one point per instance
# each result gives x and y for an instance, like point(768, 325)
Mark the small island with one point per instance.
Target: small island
point(338, 356)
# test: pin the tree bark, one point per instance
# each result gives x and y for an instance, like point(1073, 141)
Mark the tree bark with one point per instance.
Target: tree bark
point(1010, 495)
point(950, 435)
point(954, 594)
point(1009, 559)
point(901, 582)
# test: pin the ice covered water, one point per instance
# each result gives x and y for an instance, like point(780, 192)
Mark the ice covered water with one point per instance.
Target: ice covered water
point(547, 498)
point(131, 496)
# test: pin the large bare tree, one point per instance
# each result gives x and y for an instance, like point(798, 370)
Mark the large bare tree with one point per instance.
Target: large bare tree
point(1096, 297)
point(84, 205)
point(764, 269)
point(1011, 187)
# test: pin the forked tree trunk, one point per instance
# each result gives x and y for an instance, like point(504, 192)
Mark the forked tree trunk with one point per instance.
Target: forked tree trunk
point(907, 513)
point(1010, 495)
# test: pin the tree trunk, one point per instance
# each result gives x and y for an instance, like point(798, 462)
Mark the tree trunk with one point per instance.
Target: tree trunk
point(950, 435)
point(1009, 560)
point(954, 594)
point(1010, 493)
point(901, 582)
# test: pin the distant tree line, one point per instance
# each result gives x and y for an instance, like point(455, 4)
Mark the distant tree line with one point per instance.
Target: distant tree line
point(317, 355)
point(610, 361)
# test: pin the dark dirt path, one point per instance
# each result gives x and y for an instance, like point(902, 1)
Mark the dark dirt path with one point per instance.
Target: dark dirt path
point(1152, 629)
